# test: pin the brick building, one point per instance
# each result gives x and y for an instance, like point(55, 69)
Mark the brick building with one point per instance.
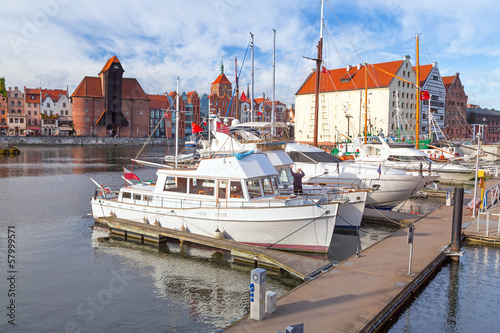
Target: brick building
point(220, 97)
point(455, 120)
point(485, 120)
point(110, 105)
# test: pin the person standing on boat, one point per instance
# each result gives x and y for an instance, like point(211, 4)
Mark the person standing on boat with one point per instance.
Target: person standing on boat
point(297, 180)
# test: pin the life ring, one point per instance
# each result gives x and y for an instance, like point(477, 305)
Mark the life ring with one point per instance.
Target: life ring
point(105, 190)
point(341, 146)
point(433, 156)
point(441, 157)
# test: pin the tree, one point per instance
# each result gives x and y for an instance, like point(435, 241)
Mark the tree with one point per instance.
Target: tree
point(3, 91)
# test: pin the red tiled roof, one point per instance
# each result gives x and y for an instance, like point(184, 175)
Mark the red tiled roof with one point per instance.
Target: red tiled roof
point(158, 102)
point(112, 60)
point(425, 70)
point(448, 81)
point(351, 80)
point(54, 94)
point(31, 91)
point(91, 87)
point(221, 79)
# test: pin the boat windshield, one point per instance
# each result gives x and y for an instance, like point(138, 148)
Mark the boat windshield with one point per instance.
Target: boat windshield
point(404, 158)
point(313, 157)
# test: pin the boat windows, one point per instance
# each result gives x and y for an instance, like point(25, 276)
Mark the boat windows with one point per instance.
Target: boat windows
point(177, 184)
point(236, 190)
point(253, 187)
point(284, 176)
point(201, 186)
point(127, 195)
point(403, 158)
point(313, 157)
point(137, 196)
point(270, 186)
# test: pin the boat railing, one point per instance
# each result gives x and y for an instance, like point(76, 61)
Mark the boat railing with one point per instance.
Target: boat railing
point(490, 197)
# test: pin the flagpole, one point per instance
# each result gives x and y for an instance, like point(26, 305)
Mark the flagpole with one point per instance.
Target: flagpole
point(274, 82)
point(177, 124)
point(251, 97)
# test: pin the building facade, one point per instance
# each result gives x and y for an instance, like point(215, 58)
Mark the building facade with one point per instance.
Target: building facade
point(432, 110)
point(220, 97)
point(390, 107)
point(110, 105)
point(16, 116)
point(484, 121)
point(456, 127)
point(3, 115)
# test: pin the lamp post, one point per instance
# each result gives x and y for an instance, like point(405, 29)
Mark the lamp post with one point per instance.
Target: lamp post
point(477, 167)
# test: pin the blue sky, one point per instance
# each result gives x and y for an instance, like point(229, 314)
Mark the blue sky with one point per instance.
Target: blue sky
point(55, 43)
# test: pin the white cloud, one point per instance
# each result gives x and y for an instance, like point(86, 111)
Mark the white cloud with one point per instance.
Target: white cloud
point(61, 41)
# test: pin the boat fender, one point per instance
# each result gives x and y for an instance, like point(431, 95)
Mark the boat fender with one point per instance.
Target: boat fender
point(218, 234)
point(341, 146)
point(145, 220)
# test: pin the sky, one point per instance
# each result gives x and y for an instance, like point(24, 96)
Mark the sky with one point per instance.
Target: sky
point(56, 43)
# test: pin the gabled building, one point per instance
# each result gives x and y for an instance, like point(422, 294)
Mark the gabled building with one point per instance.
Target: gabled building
point(220, 96)
point(430, 80)
point(455, 118)
point(16, 115)
point(391, 102)
point(56, 112)
point(110, 105)
point(3, 115)
point(32, 107)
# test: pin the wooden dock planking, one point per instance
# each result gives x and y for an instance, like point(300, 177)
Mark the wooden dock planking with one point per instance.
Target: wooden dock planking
point(300, 266)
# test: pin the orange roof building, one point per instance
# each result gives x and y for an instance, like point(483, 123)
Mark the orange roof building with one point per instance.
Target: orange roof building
point(391, 102)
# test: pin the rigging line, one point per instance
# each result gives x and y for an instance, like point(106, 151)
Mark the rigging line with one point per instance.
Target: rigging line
point(145, 143)
point(345, 32)
point(305, 225)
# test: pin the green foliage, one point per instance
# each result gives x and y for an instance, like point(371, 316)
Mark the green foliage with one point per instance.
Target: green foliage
point(3, 91)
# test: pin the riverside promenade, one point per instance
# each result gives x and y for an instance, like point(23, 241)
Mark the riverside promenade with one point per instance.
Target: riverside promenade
point(362, 293)
point(84, 140)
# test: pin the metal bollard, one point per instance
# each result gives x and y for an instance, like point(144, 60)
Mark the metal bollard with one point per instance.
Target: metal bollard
point(456, 229)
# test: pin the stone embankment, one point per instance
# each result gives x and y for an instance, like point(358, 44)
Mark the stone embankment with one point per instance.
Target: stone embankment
point(82, 141)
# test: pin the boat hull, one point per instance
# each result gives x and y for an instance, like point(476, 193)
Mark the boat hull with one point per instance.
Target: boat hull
point(297, 228)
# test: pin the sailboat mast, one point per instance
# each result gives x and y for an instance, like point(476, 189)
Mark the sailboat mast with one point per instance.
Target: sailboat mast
point(237, 115)
point(251, 96)
point(177, 123)
point(319, 60)
point(417, 85)
point(366, 100)
point(274, 82)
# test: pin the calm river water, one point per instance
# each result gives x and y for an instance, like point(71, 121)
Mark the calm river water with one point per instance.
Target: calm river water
point(65, 279)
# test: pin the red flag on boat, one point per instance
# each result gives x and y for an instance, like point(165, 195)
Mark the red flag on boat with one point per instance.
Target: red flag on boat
point(129, 174)
point(323, 69)
point(259, 114)
point(424, 95)
point(223, 128)
point(243, 97)
point(195, 128)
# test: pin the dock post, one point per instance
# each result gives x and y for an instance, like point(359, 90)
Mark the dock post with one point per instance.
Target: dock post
point(456, 229)
point(258, 294)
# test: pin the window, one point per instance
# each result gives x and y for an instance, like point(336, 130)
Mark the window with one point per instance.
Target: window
point(21, 120)
point(34, 113)
point(34, 121)
point(127, 195)
point(48, 105)
point(177, 184)
point(253, 187)
point(64, 104)
point(235, 189)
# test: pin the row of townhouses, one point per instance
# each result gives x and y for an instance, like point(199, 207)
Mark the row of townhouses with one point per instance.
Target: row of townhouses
point(112, 105)
point(381, 99)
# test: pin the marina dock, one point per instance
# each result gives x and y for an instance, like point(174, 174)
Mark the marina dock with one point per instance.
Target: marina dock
point(300, 266)
point(362, 293)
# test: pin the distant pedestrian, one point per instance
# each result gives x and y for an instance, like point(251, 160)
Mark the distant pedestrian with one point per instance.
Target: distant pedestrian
point(297, 180)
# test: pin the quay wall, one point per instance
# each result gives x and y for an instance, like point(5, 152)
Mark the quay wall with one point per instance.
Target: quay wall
point(83, 141)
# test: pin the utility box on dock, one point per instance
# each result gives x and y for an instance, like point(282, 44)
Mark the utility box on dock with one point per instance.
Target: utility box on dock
point(257, 294)
point(271, 301)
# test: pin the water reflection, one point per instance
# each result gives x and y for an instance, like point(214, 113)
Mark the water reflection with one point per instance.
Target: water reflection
point(463, 297)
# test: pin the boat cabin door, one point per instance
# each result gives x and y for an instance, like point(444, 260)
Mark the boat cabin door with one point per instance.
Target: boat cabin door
point(222, 190)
